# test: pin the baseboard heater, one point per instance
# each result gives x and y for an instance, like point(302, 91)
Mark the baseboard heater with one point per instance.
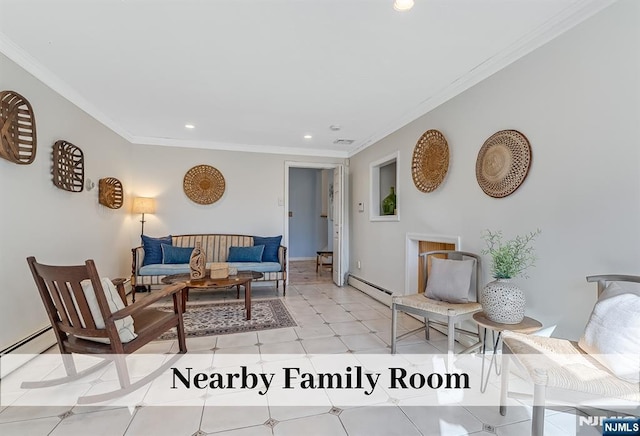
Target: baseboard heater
point(374, 291)
point(25, 349)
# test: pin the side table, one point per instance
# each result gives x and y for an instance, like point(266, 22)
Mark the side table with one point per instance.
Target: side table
point(527, 326)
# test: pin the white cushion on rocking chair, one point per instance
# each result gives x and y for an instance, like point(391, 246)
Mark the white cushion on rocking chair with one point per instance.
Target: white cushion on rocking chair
point(124, 325)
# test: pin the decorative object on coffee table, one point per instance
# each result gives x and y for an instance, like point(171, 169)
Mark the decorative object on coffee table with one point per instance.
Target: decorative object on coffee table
point(18, 129)
point(502, 301)
point(68, 166)
point(197, 263)
point(110, 193)
point(503, 163)
point(219, 270)
point(203, 184)
point(430, 161)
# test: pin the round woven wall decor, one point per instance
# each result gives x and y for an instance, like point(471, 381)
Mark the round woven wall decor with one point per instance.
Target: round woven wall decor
point(17, 128)
point(430, 161)
point(503, 163)
point(204, 184)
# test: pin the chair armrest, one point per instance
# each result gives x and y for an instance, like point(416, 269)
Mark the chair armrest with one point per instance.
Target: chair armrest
point(137, 259)
point(134, 308)
point(119, 284)
point(603, 279)
point(282, 257)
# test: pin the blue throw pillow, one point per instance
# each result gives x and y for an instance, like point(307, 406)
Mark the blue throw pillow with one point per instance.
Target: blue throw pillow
point(245, 254)
point(271, 246)
point(153, 250)
point(171, 254)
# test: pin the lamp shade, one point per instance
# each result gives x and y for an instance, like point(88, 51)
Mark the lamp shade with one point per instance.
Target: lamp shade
point(144, 205)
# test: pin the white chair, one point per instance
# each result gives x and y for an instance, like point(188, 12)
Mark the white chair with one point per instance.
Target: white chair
point(452, 281)
point(563, 373)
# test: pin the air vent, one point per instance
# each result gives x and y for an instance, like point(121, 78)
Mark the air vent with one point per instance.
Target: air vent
point(344, 141)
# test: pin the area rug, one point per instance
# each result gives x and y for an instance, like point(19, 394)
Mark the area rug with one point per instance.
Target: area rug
point(225, 318)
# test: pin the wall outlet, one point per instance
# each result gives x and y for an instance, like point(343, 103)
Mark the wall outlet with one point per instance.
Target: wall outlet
point(358, 264)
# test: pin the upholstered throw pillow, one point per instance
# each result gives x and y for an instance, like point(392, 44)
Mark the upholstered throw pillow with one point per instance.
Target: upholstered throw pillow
point(153, 250)
point(449, 280)
point(246, 254)
point(612, 334)
point(171, 254)
point(271, 246)
point(124, 325)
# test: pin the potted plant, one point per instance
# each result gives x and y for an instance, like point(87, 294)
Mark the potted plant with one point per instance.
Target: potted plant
point(501, 300)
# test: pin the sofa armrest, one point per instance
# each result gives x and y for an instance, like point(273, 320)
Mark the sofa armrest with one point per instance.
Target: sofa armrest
point(282, 257)
point(136, 263)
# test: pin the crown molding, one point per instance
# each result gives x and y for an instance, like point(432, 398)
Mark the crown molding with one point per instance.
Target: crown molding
point(554, 27)
point(247, 148)
point(35, 68)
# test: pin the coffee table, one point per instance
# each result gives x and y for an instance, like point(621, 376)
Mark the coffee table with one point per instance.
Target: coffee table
point(243, 278)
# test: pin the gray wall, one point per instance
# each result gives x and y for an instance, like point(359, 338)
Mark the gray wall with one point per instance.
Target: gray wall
point(577, 99)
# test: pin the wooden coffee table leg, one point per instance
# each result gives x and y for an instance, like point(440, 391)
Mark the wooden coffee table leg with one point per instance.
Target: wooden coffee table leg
point(185, 297)
point(247, 299)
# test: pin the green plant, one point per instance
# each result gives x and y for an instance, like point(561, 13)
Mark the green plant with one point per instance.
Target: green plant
point(510, 258)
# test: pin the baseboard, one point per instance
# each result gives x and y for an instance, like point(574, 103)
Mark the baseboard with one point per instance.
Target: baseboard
point(374, 291)
point(26, 349)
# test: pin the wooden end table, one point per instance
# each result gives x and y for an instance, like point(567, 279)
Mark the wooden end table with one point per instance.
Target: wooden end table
point(321, 257)
point(243, 278)
point(527, 326)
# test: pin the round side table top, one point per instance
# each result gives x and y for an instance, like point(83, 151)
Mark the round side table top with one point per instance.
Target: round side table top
point(528, 325)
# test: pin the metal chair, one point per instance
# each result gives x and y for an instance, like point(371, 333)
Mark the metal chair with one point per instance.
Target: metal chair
point(440, 313)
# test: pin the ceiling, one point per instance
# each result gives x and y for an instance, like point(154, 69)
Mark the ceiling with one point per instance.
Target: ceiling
point(259, 75)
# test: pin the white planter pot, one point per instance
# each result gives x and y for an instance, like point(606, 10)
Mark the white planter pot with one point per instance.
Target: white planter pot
point(503, 302)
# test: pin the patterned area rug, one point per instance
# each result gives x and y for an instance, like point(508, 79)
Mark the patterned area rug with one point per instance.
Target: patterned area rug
point(226, 318)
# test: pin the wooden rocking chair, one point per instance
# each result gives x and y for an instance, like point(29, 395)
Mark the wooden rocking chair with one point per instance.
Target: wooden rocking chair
point(89, 319)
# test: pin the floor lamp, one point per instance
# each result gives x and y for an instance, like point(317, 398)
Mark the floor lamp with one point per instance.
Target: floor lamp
point(144, 205)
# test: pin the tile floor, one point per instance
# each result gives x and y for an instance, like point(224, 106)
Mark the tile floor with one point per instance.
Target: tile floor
point(330, 320)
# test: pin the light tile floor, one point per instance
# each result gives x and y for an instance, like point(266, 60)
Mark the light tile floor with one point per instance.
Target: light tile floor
point(330, 320)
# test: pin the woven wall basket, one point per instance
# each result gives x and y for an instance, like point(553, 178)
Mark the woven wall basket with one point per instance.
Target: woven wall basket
point(18, 129)
point(110, 193)
point(430, 161)
point(503, 163)
point(68, 166)
point(203, 184)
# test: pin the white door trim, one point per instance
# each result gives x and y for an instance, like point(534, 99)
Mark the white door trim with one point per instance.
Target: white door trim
point(317, 165)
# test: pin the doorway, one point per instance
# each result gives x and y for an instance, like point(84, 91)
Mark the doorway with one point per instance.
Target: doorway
point(314, 214)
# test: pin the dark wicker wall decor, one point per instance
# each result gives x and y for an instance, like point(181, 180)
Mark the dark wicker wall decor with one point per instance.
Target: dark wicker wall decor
point(110, 192)
point(68, 166)
point(503, 163)
point(18, 129)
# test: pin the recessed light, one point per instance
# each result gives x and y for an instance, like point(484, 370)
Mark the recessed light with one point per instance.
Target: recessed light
point(402, 5)
point(307, 136)
point(189, 126)
point(335, 127)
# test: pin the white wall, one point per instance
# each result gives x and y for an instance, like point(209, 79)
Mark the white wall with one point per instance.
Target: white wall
point(250, 204)
point(577, 99)
point(56, 226)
